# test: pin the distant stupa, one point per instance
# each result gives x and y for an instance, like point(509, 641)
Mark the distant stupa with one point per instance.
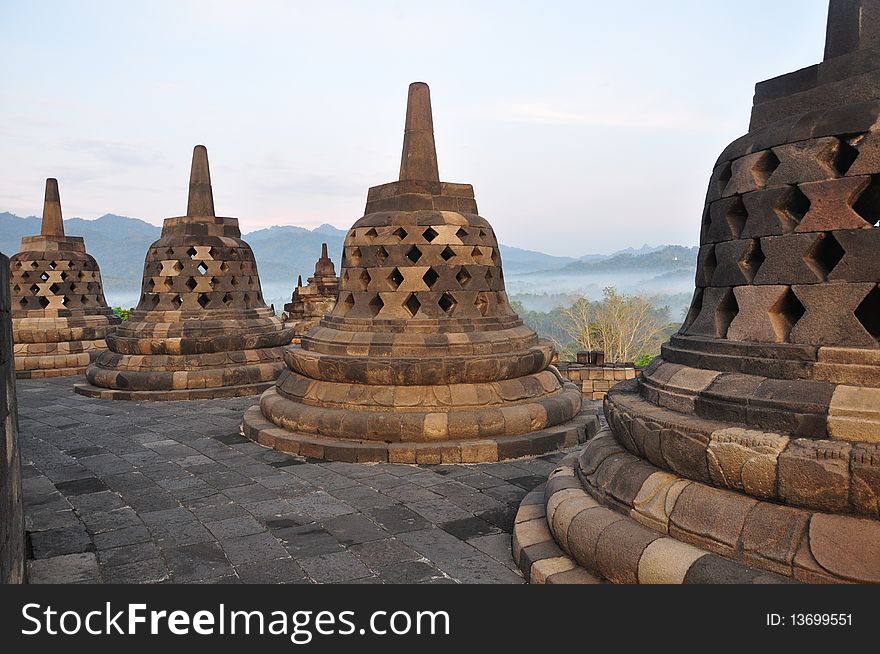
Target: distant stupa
point(422, 359)
point(201, 328)
point(310, 303)
point(59, 316)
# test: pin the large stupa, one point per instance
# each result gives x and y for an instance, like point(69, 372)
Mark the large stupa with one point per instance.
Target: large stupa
point(749, 452)
point(422, 359)
point(201, 328)
point(59, 315)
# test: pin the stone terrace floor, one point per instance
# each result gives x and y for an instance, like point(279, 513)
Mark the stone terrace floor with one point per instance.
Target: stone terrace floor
point(131, 492)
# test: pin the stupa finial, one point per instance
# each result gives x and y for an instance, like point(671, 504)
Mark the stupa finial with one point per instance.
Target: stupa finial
point(201, 198)
point(419, 158)
point(53, 225)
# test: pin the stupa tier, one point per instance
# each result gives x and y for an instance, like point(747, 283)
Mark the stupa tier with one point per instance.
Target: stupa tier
point(311, 302)
point(750, 450)
point(201, 328)
point(60, 319)
point(422, 359)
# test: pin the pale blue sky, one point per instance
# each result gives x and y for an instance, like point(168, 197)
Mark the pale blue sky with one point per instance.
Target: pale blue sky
point(583, 126)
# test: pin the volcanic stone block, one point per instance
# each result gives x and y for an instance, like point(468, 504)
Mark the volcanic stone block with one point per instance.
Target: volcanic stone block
point(846, 546)
point(854, 414)
point(865, 478)
point(829, 317)
point(727, 217)
point(815, 474)
point(859, 262)
point(788, 260)
point(771, 537)
point(745, 460)
point(656, 499)
point(757, 320)
point(806, 161)
point(710, 518)
point(750, 172)
point(831, 204)
point(773, 211)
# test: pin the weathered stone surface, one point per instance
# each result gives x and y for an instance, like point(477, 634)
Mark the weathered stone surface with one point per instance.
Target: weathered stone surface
point(815, 474)
point(12, 543)
point(667, 561)
point(745, 460)
point(846, 546)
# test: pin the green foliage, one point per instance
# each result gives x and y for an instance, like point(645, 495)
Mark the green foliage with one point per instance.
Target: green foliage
point(644, 360)
point(122, 313)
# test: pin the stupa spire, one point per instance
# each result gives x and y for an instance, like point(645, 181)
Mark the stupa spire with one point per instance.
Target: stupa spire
point(53, 225)
point(201, 198)
point(419, 158)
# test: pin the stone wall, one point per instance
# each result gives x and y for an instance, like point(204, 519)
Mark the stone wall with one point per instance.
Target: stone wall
point(11, 512)
point(593, 376)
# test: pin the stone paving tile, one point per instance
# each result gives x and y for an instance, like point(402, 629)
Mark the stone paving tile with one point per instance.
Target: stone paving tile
point(171, 492)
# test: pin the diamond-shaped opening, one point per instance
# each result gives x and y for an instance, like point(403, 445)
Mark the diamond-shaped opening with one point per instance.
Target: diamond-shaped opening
point(54, 288)
point(461, 233)
point(723, 177)
point(202, 267)
point(203, 300)
point(44, 276)
point(447, 302)
point(63, 276)
point(151, 285)
point(191, 283)
point(482, 304)
point(44, 302)
point(192, 253)
point(71, 264)
point(725, 312)
point(376, 305)
point(841, 156)
point(476, 252)
point(751, 259)
point(412, 304)
point(824, 254)
point(212, 282)
point(168, 282)
point(463, 276)
point(496, 257)
point(227, 298)
point(792, 207)
point(447, 253)
point(23, 302)
point(211, 252)
point(868, 203)
point(247, 299)
point(177, 266)
point(868, 313)
point(488, 276)
point(381, 254)
point(710, 264)
point(482, 233)
point(224, 267)
point(169, 252)
point(73, 288)
point(736, 216)
point(176, 301)
point(430, 277)
point(16, 289)
point(64, 300)
point(694, 311)
point(364, 279)
point(17, 265)
point(430, 234)
point(35, 264)
point(35, 289)
point(52, 265)
point(396, 279)
point(414, 254)
point(764, 167)
point(371, 233)
point(347, 302)
point(354, 257)
point(784, 315)
point(400, 233)
point(84, 300)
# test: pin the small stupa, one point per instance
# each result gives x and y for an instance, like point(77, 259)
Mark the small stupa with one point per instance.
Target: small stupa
point(422, 359)
point(201, 328)
point(311, 302)
point(60, 319)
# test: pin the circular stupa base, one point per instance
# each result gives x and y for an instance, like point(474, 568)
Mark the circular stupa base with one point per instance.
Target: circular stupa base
point(618, 518)
point(171, 395)
point(478, 450)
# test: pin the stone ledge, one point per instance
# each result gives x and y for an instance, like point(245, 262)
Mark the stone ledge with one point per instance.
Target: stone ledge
point(187, 394)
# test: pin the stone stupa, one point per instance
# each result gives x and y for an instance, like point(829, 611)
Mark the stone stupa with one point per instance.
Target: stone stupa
point(422, 360)
point(201, 328)
point(59, 315)
point(311, 302)
point(749, 452)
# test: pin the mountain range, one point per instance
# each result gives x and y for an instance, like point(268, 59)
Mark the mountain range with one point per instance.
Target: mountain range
point(119, 244)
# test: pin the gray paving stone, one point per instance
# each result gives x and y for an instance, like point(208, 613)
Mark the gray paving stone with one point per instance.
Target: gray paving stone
point(235, 527)
point(397, 518)
point(354, 529)
point(63, 540)
point(145, 571)
point(277, 571)
point(410, 572)
point(124, 536)
point(65, 569)
point(389, 551)
point(128, 554)
point(256, 547)
point(338, 567)
point(198, 561)
point(307, 540)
